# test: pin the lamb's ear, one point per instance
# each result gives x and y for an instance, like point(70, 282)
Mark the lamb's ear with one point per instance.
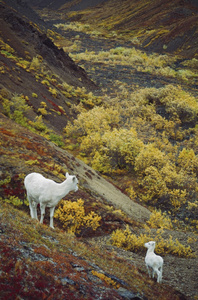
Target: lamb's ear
point(67, 175)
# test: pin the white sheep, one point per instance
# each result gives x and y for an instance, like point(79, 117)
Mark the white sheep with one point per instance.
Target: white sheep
point(153, 261)
point(47, 193)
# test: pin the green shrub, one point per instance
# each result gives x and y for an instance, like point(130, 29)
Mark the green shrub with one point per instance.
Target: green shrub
point(16, 108)
point(57, 139)
point(16, 201)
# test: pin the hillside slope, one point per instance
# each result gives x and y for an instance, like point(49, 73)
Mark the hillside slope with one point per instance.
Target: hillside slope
point(57, 263)
point(44, 160)
point(69, 4)
point(45, 264)
point(161, 26)
point(40, 89)
point(30, 62)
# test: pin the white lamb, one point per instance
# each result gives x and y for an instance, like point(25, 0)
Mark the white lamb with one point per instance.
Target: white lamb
point(153, 261)
point(47, 193)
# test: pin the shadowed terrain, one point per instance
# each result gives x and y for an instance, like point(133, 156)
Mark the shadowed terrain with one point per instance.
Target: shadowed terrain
point(49, 76)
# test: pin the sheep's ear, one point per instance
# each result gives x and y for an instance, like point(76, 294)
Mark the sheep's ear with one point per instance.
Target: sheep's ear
point(67, 175)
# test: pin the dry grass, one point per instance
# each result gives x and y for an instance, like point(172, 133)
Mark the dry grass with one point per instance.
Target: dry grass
point(51, 255)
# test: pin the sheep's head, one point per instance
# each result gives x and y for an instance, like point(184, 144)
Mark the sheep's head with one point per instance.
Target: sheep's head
point(73, 181)
point(150, 244)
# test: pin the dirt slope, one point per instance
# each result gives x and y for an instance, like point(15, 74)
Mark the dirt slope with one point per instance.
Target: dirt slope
point(103, 189)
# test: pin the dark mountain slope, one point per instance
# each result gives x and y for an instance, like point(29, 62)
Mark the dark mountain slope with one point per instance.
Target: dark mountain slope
point(24, 9)
point(23, 31)
point(69, 4)
point(160, 26)
point(31, 63)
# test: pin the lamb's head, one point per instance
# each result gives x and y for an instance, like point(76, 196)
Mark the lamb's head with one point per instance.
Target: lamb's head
point(72, 181)
point(150, 245)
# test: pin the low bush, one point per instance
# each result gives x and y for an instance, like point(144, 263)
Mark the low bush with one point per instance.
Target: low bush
point(131, 242)
point(73, 218)
point(159, 220)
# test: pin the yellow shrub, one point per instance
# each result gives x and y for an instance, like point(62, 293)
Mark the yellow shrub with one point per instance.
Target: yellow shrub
point(105, 278)
point(42, 110)
point(179, 102)
point(34, 95)
point(101, 163)
point(177, 197)
point(73, 218)
point(123, 146)
point(132, 193)
point(188, 161)
point(149, 156)
point(153, 185)
point(159, 220)
point(125, 239)
point(35, 64)
point(53, 91)
point(128, 241)
point(95, 120)
point(45, 82)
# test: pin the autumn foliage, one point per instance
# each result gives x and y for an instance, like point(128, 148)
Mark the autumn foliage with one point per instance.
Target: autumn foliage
point(150, 134)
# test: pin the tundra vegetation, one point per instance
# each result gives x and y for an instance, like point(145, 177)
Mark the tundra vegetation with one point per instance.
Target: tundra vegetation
point(142, 139)
point(147, 135)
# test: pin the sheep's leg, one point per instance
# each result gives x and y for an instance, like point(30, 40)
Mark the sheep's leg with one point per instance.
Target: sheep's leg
point(51, 216)
point(42, 208)
point(30, 206)
point(148, 270)
point(33, 208)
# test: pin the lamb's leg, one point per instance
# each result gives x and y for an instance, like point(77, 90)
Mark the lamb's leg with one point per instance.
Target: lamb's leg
point(42, 208)
point(160, 278)
point(158, 275)
point(51, 216)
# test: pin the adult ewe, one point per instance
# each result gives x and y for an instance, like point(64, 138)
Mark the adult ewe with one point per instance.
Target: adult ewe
point(47, 193)
point(153, 261)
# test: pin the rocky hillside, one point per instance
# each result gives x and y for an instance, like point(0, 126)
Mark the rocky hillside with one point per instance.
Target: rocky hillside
point(47, 263)
point(41, 90)
point(162, 26)
point(23, 43)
